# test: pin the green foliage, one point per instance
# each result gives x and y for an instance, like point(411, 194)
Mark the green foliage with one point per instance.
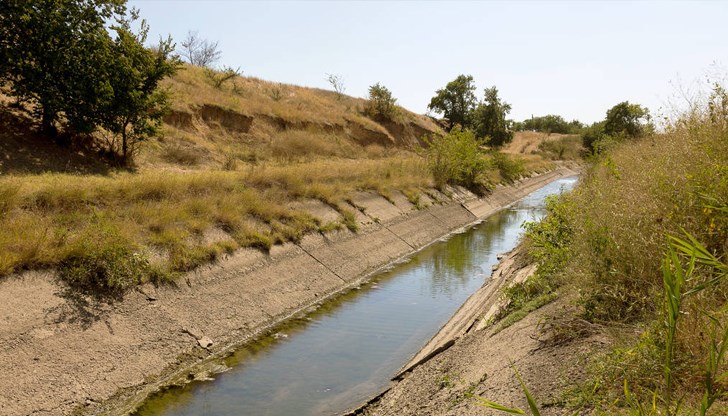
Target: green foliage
point(382, 105)
point(550, 123)
point(135, 112)
point(53, 53)
point(60, 57)
point(103, 264)
point(489, 119)
point(550, 238)
point(549, 244)
point(456, 101)
point(629, 120)
point(509, 167)
point(592, 136)
point(623, 121)
point(456, 159)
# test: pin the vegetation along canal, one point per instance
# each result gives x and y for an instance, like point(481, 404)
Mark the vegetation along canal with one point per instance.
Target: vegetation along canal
point(347, 351)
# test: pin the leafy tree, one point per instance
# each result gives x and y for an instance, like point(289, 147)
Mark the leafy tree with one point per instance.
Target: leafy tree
point(135, 112)
point(382, 105)
point(53, 53)
point(625, 119)
point(552, 123)
point(456, 101)
point(59, 56)
point(198, 51)
point(591, 136)
point(490, 119)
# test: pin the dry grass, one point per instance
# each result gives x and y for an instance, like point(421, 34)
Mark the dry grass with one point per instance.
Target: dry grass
point(45, 217)
point(252, 96)
point(223, 175)
point(627, 204)
point(528, 142)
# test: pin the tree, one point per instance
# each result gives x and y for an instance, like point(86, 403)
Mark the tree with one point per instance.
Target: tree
point(625, 119)
point(60, 57)
point(456, 101)
point(490, 119)
point(382, 104)
point(337, 83)
point(135, 112)
point(198, 51)
point(53, 53)
point(591, 136)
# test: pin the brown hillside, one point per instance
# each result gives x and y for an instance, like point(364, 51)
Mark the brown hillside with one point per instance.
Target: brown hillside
point(249, 119)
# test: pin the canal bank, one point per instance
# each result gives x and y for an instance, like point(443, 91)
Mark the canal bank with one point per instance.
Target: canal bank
point(469, 359)
point(68, 355)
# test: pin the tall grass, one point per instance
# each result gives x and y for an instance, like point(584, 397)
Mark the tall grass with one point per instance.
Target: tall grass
point(623, 260)
point(162, 218)
point(642, 242)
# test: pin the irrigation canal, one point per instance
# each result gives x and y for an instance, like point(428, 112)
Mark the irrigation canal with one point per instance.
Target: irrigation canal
point(348, 349)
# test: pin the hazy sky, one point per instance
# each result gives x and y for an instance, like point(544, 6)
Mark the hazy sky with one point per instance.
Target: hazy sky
point(575, 59)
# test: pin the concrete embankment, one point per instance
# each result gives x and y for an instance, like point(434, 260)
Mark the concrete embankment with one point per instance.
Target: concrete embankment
point(65, 354)
point(468, 358)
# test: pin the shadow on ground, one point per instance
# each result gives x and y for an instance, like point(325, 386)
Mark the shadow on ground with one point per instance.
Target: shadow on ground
point(23, 151)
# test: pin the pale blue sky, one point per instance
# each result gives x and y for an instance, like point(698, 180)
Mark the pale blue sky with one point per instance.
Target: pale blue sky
point(575, 59)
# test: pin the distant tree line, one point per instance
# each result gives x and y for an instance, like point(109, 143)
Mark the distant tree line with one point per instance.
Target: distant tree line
point(78, 67)
point(551, 123)
point(623, 121)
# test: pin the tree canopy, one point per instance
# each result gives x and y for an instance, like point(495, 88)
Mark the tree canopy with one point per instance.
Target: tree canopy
point(381, 105)
point(60, 58)
point(631, 120)
point(456, 101)
point(623, 121)
point(489, 119)
point(551, 123)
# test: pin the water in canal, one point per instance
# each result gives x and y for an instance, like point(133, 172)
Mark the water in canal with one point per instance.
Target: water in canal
point(346, 352)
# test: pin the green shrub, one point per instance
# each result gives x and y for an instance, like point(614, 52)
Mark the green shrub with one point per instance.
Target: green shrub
point(381, 105)
point(103, 263)
point(456, 159)
point(548, 245)
point(510, 168)
point(551, 237)
point(105, 271)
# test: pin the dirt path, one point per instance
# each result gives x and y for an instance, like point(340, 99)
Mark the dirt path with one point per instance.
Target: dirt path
point(478, 362)
point(62, 354)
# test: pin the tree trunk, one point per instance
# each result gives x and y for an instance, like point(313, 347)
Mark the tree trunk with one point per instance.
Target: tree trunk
point(124, 145)
point(47, 125)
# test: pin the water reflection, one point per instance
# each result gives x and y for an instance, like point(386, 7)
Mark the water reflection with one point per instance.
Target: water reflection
point(347, 350)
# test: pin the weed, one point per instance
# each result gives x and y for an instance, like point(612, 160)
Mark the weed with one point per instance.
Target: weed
point(182, 156)
point(510, 168)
